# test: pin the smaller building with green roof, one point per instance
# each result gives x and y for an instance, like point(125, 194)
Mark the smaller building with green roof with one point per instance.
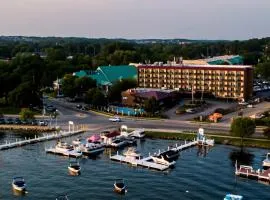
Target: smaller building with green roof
point(106, 76)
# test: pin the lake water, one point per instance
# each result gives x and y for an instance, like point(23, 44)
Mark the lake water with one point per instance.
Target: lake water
point(195, 176)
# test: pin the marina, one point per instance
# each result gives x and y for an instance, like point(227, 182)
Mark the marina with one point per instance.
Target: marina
point(148, 161)
point(99, 174)
point(36, 139)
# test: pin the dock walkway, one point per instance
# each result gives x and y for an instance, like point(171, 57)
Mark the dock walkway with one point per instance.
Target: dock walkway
point(249, 172)
point(45, 137)
point(147, 161)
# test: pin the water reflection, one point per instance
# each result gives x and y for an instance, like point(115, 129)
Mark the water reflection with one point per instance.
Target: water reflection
point(202, 150)
point(243, 157)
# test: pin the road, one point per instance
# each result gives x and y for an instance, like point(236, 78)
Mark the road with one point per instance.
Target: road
point(68, 112)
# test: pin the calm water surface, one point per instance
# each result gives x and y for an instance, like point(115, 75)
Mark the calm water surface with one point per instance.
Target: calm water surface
point(195, 176)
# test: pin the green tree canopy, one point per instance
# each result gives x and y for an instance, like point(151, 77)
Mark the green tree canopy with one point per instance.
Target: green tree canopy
point(151, 105)
point(26, 113)
point(68, 86)
point(122, 85)
point(243, 127)
point(95, 97)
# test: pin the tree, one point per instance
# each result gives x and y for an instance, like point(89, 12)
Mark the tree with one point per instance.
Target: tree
point(68, 86)
point(151, 105)
point(84, 83)
point(95, 97)
point(120, 86)
point(26, 113)
point(243, 127)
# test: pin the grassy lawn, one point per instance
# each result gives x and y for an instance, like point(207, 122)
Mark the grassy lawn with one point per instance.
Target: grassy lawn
point(219, 139)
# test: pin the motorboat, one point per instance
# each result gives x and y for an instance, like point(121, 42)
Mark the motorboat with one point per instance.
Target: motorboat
point(78, 141)
point(19, 184)
point(132, 153)
point(91, 149)
point(118, 143)
point(120, 186)
point(74, 167)
point(160, 159)
point(266, 161)
point(138, 133)
point(170, 155)
point(63, 146)
point(64, 149)
point(233, 197)
point(62, 197)
point(94, 139)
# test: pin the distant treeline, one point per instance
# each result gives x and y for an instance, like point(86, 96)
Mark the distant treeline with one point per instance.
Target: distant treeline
point(32, 63)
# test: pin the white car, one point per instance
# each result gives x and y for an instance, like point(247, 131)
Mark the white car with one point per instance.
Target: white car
point(115, 119)
point(243, 103)
point(250, 106)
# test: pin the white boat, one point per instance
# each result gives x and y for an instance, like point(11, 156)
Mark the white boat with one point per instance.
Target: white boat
point(65, 149)
point(78, 141)
point(63, 146)
point(91, 149)
point(233, 197)
point(120, 186)
point(19, 184)
point(132, 153)
point(62, 197)
point(138, 133)
point(161, 160)
point(266, 161)
point(74, 167)
point(118, 143)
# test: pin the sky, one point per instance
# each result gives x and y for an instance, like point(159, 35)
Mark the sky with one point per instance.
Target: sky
point(137, 19)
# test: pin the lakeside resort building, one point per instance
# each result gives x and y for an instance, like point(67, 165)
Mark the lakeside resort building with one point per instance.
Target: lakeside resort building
point(222, 81)
point(106, 76)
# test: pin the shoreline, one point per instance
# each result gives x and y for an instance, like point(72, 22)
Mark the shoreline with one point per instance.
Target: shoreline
point(219, 139)
point(26, 128)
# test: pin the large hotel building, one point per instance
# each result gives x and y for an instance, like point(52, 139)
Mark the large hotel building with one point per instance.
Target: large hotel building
point(223, 81)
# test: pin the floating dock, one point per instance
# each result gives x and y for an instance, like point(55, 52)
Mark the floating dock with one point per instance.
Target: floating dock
point(71, 153)
point(249, 172)
point(147, 162)
point(45, 137)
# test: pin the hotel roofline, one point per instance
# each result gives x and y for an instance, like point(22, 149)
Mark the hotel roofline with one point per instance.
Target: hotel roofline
point(188, 66)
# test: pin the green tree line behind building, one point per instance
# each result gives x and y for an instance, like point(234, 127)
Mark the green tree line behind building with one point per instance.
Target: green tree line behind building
point(29, 64)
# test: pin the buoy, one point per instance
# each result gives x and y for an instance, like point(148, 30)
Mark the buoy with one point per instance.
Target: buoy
point(187, 191)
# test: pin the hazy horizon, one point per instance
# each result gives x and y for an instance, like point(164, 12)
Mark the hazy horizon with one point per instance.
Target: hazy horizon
point(136, 19)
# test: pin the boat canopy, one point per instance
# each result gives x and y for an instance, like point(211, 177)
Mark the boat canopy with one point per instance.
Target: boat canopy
point(94, 138)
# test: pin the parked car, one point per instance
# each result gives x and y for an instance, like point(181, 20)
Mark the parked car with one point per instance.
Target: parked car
point(17, 121)
point(2, 121)
point(42, 123)
point(115, 119)
point(243, 103)
point(190, 110)
point(250, 106)
point(9, 121)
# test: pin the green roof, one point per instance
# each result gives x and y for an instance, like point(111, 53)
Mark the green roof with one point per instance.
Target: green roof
point(115, 73)
point(107, 75)
point(82, 73)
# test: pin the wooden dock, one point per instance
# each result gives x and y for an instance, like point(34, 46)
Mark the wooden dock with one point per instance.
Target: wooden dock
point(36, 139)
point(249, 172)
point(147, 161)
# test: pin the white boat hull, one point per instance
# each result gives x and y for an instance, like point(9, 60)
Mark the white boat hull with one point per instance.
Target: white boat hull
point(162, 161)
point(74, 170)
point(20, 189)
point(266, 163)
